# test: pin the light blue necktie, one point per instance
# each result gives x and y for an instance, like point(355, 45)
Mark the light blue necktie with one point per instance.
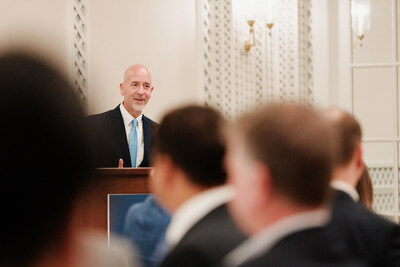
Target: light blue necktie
point(133, 143)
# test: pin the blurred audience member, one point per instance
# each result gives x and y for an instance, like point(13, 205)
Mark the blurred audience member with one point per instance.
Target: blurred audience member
point(145, 225)
point(371, 239)
point(189, 180)
point(364, 189)
point(280, 160)
point(45, 161)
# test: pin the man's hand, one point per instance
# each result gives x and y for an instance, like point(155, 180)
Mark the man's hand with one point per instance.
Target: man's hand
point(120, 163)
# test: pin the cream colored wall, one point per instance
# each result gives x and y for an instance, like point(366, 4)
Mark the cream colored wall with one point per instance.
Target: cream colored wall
point(159, 34)
point(42, 27)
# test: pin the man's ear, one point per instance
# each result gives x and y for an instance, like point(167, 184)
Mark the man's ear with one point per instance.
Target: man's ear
point(358, 157)
point(167, 167)
point(264, 181)
point(162, 174)
point(121, 89)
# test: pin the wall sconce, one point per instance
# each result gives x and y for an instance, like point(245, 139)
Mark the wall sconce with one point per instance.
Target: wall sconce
point(267, 10)
point(249, 43)
point(361, 18)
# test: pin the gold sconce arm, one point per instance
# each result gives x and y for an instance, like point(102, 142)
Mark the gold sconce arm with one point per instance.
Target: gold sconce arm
point(252, 38)
point(361, 37)
point(269, 26)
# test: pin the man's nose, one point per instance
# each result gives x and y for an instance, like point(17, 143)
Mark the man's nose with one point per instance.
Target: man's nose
point(141, 89)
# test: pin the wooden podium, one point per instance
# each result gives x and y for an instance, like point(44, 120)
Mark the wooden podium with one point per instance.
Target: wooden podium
point(111, 181)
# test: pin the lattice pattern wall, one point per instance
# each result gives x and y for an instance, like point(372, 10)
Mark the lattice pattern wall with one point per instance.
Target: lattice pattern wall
point(305, 50)
point(280, 67)
point(80, 47)
point(216, 52)
point(382, 176)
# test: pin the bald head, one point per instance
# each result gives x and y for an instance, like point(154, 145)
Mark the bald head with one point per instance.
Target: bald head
point(136, 68)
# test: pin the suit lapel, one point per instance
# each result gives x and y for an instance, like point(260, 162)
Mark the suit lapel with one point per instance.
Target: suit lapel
point(119, 128)
point(146, 138)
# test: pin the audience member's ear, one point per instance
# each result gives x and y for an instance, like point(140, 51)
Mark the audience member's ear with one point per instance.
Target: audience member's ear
point(168, 167)
point(359, 158)
point(163, 172)
point(264, 181)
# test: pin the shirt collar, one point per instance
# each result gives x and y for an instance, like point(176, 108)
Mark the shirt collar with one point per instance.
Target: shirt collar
point(267, 238)
point(345, 187)
point(194, 209)
point(127, 117)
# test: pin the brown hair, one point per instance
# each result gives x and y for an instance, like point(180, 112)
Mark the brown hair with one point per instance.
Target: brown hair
point(296, 145)
point(348, 131)
point(191, 136)
point(364, 189)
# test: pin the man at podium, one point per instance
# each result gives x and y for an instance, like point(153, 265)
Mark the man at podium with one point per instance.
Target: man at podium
point(124, 136)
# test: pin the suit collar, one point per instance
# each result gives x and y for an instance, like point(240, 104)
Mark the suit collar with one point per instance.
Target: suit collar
point(194, 209)
point(147, 137)
point(341, 196)
point(266, 239)
point(348, 189)
point(119, 128)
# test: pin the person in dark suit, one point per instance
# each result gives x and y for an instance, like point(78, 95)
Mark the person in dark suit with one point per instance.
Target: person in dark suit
point(371, 239)
point(124, 136)
point(190, 182)
point(279, 160)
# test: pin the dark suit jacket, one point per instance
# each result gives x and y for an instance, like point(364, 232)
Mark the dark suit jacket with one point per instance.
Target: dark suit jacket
point(313, 247)
point(371, 239)
point(207, 242)
point(353, 237)
point(110, 143)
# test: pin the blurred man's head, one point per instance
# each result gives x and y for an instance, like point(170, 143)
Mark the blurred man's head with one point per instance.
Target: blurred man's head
point(348, 164)
point(279, 155)
point(189, 146)
point(44, 158)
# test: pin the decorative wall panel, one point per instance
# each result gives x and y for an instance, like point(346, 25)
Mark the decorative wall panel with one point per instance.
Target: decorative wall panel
point(216, 54)
point(278, 68)
point(305, 50)
point(382, 180)
point(80, 47)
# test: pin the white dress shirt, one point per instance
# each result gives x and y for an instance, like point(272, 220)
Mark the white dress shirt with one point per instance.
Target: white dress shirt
point(127, 118)
point(263, 241)
point(194, 209)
